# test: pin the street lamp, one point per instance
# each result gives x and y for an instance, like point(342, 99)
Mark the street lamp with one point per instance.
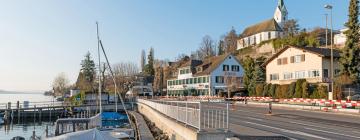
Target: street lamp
point(329, 7)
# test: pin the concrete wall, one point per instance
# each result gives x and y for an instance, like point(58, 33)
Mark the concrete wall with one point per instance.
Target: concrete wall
point(176, 130)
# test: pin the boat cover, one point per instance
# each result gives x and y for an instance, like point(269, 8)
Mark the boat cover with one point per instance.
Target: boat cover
point(112, 116)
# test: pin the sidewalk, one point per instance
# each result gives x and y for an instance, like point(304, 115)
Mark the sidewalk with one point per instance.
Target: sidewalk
point(305, 107)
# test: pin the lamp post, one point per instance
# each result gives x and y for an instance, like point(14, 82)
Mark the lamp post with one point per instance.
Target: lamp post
point(329, 7)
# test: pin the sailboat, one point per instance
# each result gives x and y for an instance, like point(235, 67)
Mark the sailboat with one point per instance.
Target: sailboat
point(106, 124)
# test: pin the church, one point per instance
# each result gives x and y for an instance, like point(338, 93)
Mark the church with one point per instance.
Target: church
point(265, 30)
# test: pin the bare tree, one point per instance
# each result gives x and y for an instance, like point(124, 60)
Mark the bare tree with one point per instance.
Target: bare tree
point(232, 83)
point(60, 84)
point(125, 69)
point(207, 49)
point(230, 41)
point(291, 27)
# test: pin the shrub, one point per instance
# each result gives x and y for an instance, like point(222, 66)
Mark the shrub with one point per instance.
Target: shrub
point(283, 91)
point(298, 88)
point(266, 90)
point(272, 90)
point(305, 90)
point(291, 90)
point(259, 89)
point(322, 91)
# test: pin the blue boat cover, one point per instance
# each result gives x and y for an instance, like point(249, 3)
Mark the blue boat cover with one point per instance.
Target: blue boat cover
point(113, 116)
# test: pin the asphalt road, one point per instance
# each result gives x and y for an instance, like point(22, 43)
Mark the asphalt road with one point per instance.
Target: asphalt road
point(252, 120)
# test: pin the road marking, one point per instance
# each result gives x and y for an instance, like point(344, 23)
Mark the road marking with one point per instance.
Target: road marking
point(289, 131)
point(255, 119)
point(331, 132)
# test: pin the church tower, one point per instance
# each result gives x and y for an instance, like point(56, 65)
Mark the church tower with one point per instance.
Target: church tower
point(281, 14)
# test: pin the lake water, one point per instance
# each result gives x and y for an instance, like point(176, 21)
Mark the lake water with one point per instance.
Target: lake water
point(24, 129)
point(21, 96)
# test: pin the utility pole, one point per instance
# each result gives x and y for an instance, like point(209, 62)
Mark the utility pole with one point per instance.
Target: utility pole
point(332, 55)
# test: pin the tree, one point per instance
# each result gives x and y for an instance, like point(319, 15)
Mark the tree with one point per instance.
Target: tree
point(249, 67)
point(87, 73)
point(291, 27)
point(143, 60)
point(259, 71)
point(230, 41)
point(149, 67)
point(207, 49)
point(231, 82)
point(125, 69)
point(60, 84)
point(350, 55)
point(221, 48)
point(291, 90)
point(305, 89)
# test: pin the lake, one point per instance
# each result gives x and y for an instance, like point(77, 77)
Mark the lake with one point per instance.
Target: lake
point(6, 96)
point(23, 129)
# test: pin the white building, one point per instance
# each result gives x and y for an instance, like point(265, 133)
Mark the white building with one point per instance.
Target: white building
point(340, 39)
point(266, 30)
point(208, 77)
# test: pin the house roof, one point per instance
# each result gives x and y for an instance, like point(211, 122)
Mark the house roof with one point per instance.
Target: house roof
point(323, 52)
point(212, 63)
point(191, 63)
point(267, 25)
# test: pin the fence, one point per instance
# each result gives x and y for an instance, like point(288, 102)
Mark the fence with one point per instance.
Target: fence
point(27, 104)
point(200, 115)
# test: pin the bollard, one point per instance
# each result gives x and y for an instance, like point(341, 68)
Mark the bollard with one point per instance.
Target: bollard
point(47, 131)
point(270, 107)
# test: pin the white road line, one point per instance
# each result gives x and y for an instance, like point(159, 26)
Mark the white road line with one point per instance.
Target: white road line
point(256, 119)
point(289, 131)
point(331, 132)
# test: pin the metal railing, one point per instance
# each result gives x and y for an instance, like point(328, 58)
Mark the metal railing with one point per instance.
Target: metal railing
point(200, 115)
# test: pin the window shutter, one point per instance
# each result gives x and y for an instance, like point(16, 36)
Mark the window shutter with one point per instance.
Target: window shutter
point(303, 57)
point(284, 61)
point(279, 61)
point(292, 59)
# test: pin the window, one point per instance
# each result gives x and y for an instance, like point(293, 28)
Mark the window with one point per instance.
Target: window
point(292, 59)
point(191, 81)
point(260, 37)
point(235, 68)
point(254, 39)
point(326, 73)
point(274, 76)
point(204, 79)
point(269, 35)
point(225, 67)
point(299, 74)
point(313, 73)
point(200, 80)
point(207, 79)
point(187, 71)
point(297, 58)
point(187, 81)
point(195, 80)
point(219, 79)
point(288, 75)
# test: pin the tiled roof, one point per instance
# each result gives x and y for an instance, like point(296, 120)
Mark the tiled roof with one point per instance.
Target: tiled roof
point(267, 25)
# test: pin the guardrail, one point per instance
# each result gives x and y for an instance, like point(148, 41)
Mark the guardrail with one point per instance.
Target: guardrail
point(200, 115)
point(28, 104)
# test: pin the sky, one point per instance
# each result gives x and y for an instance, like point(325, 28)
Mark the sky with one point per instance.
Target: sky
point(41, 38)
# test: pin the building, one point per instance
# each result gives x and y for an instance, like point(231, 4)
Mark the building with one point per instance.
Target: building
point(292, 63)
point(340, 39)
point(266, 30)
point(208, 77)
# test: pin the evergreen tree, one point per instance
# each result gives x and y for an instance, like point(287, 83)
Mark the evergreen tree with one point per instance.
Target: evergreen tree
point(350, 55)
point(143, 60)
point(88, 68)
point(87, 74)
point(149, 67)
point(249, 67)
point(221, 50)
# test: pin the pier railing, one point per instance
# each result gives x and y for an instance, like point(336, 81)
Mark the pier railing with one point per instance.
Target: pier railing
point(28, 104)
point(200, 115)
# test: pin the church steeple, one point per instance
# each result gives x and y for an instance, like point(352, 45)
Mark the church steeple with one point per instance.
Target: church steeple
point(281, 13)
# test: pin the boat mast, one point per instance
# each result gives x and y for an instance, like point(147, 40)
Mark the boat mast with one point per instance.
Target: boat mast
point(99, 76)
